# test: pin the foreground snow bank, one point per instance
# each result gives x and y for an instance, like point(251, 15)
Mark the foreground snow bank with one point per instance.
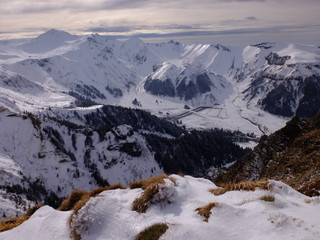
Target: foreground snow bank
point(283, 214)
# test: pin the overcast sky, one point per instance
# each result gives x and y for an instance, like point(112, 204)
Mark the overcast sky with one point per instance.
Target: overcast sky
point(232, 22)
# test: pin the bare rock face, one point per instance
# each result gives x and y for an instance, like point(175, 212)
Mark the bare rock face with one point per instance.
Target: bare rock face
point(297, 96)
point(161, 88)
point(188, 87)
point(275, 59)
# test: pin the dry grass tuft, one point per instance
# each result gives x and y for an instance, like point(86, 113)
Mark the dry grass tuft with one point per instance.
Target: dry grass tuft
point(10, 223)
point(151, 188)
point(78, 199)
point(72, 200)
point(144, 183)
point(205, 211)
point(217, 191)
point(153, 232)
point(141, 203)
point(98, 190)
point(267, 198)
point(75, 202)
point(244, 185)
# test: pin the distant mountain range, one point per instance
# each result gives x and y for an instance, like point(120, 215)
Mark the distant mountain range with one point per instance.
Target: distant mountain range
point(253, 89)
point(77, 112)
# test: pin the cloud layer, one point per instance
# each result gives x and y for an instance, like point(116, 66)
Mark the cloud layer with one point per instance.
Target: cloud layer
point(163, 18)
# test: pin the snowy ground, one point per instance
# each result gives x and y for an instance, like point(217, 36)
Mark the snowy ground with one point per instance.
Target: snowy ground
point(238, 215)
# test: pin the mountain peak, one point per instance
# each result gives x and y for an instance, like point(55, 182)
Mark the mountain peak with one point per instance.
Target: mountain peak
point(56, 35)
point(134, 41)
point(48, 41)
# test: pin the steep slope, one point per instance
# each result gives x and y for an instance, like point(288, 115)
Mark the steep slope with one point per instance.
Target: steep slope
point(43, 157)
point(291, 155)
point(188, 83)
point(46, 159)
point(179, 208)
point(287, 85)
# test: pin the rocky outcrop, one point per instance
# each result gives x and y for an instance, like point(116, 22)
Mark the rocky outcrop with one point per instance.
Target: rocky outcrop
point(188, 87)
point(275, 59)
point(199, 85)
point(290, 155)
point(158, 87)
point(294, 96)
point(309, 104)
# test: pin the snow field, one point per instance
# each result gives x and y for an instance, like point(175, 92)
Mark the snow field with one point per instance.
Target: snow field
point(237, 215)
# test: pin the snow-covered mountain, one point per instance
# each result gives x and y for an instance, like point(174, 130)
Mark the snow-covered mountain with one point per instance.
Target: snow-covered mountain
point(179, 208)
point(242, 88)
point(57, 133)
point(47, 159)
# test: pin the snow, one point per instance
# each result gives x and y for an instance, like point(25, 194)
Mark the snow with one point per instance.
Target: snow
point(37, 74)
point(299, 54)
point(48, 41)
point(28, 154)
point(45, 223)
point(56, 62)
point(239, 215)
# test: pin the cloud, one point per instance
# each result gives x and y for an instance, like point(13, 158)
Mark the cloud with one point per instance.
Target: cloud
point(42, 6)
point(252, 18)
point(242, 0)
point(114, 29)
point(237, 22)
point(179, 17)
point(140, 28)
point(122, 4)
point(190, 33)
point(238, 32)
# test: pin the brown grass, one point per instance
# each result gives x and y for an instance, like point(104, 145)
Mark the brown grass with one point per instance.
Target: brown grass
point(78, 199)
point(153, 232)
point(267, 198)
point(150, 187)
point(217, 191)
point(244, 185)
point(142, 203)
point(205, 211)
point(144, 183)
point(10, 223)
point(72, 200)
point(98, 190)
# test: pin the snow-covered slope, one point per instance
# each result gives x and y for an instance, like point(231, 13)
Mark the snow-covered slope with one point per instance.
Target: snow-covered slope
point(43, 157)
point(242, 88)
point(234, 215)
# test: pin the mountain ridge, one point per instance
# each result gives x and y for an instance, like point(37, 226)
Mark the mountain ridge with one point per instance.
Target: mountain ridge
point(291, 155)
point(246, 83)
